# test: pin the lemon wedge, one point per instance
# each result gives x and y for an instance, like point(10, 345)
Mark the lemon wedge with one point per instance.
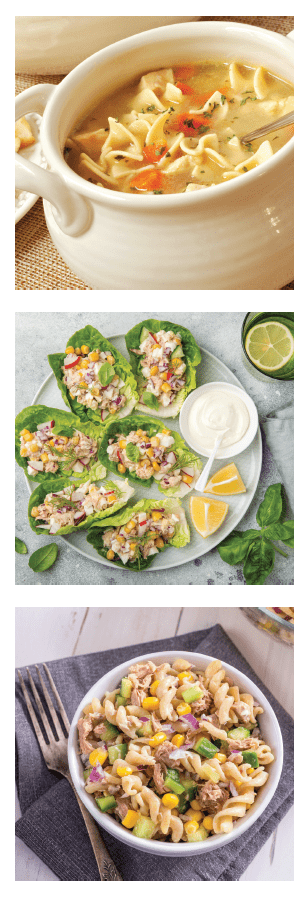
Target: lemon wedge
point(207, 514)
point(226, 482)
point(270, 346)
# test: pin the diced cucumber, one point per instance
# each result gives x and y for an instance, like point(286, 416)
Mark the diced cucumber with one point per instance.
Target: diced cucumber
point(199, 836)
point(117, 751)
point(120, 700)
point(238, 733)
point(125, 687)
point(190, 787)
point(204, 747)
point(178, 353)
point(144, 334)
point(145, 730)
point(172, 781)
point(250, 757)
point(183, 805)
point(192, 694)
point(105, 804)
point(109, 732)
point(86, 773)
point(144, 828)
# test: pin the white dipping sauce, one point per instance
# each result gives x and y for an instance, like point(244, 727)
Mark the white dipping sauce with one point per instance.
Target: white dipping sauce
point(212, 413)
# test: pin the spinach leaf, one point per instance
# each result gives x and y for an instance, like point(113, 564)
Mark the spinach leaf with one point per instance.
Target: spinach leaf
point(150, 400)
point(269, 512)
point(234, 548)
point(259, 562)
point(106, 373)
point(132, 452)
point(20, 547)
point(280, 531)
point(43, 558)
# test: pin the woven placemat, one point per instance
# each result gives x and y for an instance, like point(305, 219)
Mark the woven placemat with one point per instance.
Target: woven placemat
point(38, 265)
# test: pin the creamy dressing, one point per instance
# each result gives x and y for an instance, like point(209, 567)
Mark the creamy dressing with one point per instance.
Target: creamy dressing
point(215, 412)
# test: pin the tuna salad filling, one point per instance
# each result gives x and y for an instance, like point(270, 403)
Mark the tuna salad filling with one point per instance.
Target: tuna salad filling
point(148, 457)
point(47, 452)
point(143, 535)
point(163, 367)
point(70, 506)
point(91, 379)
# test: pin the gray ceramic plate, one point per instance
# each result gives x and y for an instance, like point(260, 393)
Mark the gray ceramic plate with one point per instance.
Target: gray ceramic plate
point(248, 463)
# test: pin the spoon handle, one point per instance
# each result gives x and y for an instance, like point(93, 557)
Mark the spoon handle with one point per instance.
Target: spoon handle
point(202, 480)
point(266, 129)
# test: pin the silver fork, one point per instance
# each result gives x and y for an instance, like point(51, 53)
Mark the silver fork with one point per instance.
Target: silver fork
point(55, 755)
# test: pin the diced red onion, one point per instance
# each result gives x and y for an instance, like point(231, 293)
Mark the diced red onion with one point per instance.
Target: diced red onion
point(144, 719)
point(191, 719)
point(277, 610)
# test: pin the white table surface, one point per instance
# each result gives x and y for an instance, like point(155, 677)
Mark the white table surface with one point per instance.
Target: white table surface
point(45, 634)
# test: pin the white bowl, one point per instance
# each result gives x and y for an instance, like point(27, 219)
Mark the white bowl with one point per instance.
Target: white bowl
point(237, 235)
point(228, 451)
point(270, 731)
point(53, 45)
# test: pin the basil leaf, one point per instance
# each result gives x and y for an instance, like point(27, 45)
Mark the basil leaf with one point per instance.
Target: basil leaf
point(270, 510)
point(43, 558)
point(132, 452)
point(151, 400)
point(106, 373)
point(235, 547)
point(259, 562)
point(20, 547)
point(289, 542)
point(283, 531)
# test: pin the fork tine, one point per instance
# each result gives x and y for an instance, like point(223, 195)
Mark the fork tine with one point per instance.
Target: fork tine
point(36, 725)
point(51, 707)
point(41, 709)
point(56, 695)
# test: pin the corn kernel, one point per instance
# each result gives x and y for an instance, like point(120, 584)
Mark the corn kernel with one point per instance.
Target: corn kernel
point(123, 771)
point(177, 340)
point(170, 800)
point(185, 675)
point(112, 410)
point(22, 432)
point(149, 452)
point(191, 827)
point(238, 783)
point(187, 478)
point(220, 757)
point(154, 370)
point(94, 356)
point(195, 805)
point(44, 457)
point(23, 452)
point(166, 431)
point(85, 350)
point(50, 442)
point(156, 466)
point(28, 436)
point(157, 739)
point(70, 350)
point(151, 704)
point(139, 433)
point(164, 375)
point(156, 515)
point(178, 740)
point(129, 526)
point(77, 350)
point(183, 708)
point(84, 363)
point(130, 819)
point(159, 543)
point(121, 469)
point(84, 386)
point(110, 359)
point(133, 546)
point(154, 687)
point(111, 499)
point(34, 512)
point(122, 444)
point(176, 363)
point(208, 823)
point(110, 554)
point(155, 442)
point(33, 447)
point(97, 757)
point(166, 388)
point(194, 815)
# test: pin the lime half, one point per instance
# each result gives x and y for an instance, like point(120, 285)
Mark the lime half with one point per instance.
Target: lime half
point(270, 346)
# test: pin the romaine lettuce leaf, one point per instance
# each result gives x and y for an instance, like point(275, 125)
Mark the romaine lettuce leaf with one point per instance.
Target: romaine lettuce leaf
point(37, 497)
point(65, 425)
point(91, 337)
point(172, 506)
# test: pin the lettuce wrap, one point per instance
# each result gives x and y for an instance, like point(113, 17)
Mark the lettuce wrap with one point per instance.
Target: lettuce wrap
point(148, 403)
point(65, 424)
point(92, 338)
point(121, 489)
point(180, 457)
point(170, 506)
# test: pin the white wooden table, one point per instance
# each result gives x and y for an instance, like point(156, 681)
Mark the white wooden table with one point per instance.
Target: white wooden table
point(44, 634)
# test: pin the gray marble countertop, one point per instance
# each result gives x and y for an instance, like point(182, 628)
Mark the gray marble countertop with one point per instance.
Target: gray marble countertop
point(39, 333)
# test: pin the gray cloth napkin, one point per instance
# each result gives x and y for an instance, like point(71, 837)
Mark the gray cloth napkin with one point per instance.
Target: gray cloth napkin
point(279, 432)
point(52, 825)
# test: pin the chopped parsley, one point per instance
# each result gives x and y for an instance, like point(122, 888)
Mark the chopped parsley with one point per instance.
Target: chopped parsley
point(158, 191)
point(231, 136)
point(167, 154)
point(249, 147)
point(244, 168)
point(223, 98)
point(151, 108)
point(160, 151)
point(246, 99)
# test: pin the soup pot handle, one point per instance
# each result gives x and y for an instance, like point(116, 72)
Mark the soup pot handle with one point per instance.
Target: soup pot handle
point(72, 213)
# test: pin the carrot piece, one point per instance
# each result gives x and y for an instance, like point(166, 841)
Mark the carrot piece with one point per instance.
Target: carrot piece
point(185, 88)
point(192, 126)
point(184, 72)
point(148, 180)
point(155, 151)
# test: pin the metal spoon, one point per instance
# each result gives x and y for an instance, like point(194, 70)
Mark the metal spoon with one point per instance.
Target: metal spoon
point(203, 478)
point(273, 126)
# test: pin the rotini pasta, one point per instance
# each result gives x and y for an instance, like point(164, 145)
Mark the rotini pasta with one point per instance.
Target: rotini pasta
point(183, 765)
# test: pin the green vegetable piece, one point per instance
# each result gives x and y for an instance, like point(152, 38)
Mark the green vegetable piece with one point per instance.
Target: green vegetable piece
point(109, 732)
point(120, 701)
point(144, 334)
point(145, 730)
point(20, 547)
point(144, 828)
point(117, 751)
point(199, 836)
point(190, 787)
point(235, 547)
point(259, 562)
point(106, 373)
point(284, 532)
point(183, 805)
point(87, 772)
point(192, 694)
point(250, 757)
point(204, 747)
point(106, 804)
point(150, 400)
point(177, 353)
point(172, 781)
point(270, 510)
point(43, 558)
point(238, 733)
point(125, 687)
point(132, 452)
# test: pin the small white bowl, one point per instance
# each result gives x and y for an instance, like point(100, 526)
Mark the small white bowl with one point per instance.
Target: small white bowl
point(270, 731)
point(228, 451)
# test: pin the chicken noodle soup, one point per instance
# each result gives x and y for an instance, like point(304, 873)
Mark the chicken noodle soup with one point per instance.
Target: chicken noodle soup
point(179, 129)
point(174, 752)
